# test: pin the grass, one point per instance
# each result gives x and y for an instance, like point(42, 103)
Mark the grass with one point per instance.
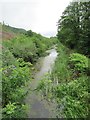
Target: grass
point(60, 71)
point(71, 92)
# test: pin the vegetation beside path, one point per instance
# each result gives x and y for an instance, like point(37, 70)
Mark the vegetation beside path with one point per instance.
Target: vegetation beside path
point(18, 57)
point(69, 81)
point(68, 84)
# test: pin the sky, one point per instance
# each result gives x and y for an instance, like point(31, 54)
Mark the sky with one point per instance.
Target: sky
point(40, 16)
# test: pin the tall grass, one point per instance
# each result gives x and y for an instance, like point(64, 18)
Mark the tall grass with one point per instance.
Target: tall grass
point(61, 72)
point(71, 91)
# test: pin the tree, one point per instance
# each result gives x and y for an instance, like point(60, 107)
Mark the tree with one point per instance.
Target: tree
point(30, 33)
point(74, 27)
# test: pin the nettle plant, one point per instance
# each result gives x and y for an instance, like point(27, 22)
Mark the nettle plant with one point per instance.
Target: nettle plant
point(78, 62)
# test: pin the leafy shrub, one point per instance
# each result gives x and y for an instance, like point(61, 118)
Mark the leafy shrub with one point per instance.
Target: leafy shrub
point(29, 47)
point(23, 47)
point(13, 110)
point(79, 62)
point(71, 93)
point(73, 97)
point(15, 76)
point(12, 79)
point(29, 33)
point(9, 109)
point(22, 63)
point(7, 57)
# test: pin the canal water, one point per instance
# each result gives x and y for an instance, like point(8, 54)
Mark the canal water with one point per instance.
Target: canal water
point(38, 107)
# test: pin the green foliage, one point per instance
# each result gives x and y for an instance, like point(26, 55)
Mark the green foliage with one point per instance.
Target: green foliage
point(73, 96)
point(22, 47)
point(44, 83)
point(79, 62)
point(74, 32)
point(60, 72)
point(22, 63)
point(45, 86)
point(7, 57)
point(13, 110)
point(15, 76)
point(9, 29)
point(29, 47)
point(69, 89)
point(30, 33)
point(18, 56)
point(74, 27)
point(10, 108)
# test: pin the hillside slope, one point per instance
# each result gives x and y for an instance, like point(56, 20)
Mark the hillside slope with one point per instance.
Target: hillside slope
point(7, 32)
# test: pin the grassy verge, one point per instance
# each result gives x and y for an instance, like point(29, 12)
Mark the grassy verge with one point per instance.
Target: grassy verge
point(71, 93)
point(60, 72)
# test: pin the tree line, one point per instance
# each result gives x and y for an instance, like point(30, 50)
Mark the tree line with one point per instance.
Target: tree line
point(74, 27)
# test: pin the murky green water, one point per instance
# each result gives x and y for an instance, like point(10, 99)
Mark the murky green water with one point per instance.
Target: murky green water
point(38, 107)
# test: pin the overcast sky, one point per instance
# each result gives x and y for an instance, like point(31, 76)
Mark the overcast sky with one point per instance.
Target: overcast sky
point(40, 16)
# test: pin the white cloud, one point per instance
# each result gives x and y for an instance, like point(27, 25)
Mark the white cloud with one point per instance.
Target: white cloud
point(38, 15)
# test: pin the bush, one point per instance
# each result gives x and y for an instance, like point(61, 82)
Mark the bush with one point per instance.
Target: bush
point(71, 91)
point(15, 76)
point(7, 57)
point(13, 110)
point(79, 62)
point(23, 47)
point(73, 96)
point(12, 79)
